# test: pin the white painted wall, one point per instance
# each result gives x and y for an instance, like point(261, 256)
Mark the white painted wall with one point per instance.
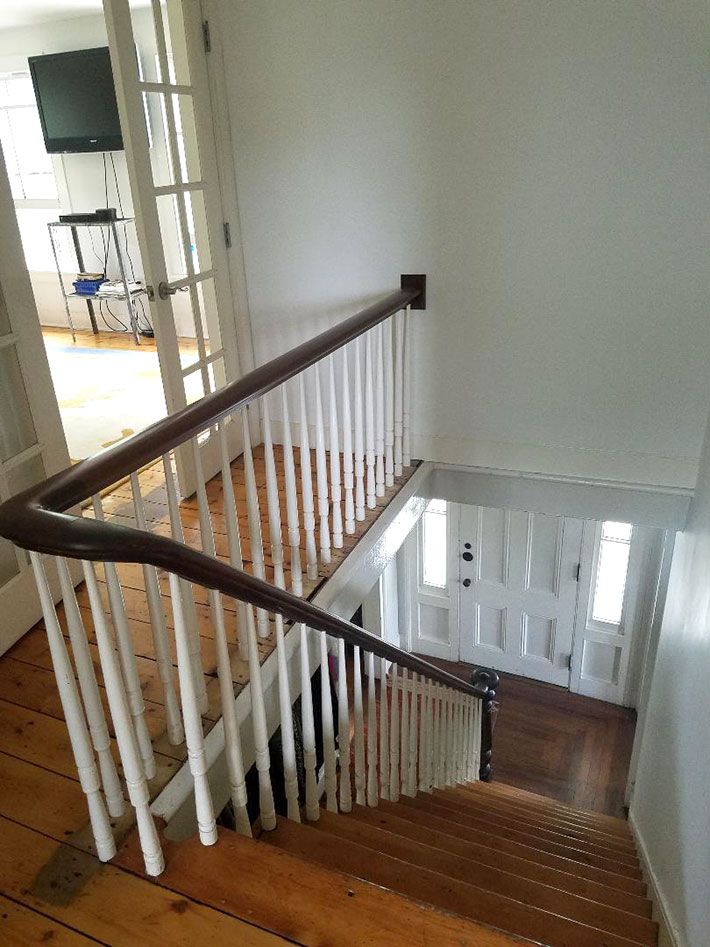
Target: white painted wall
point(541, 162)
point(671, 801)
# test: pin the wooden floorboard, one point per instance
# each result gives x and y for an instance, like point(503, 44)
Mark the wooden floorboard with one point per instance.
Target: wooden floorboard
point(572, 748)
point(52, 889)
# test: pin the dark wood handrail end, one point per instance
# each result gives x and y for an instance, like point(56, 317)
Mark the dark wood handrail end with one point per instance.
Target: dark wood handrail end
point(415, 283)
point(486, 678)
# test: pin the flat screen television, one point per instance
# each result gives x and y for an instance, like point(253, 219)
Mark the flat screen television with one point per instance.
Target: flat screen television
point(76, 99)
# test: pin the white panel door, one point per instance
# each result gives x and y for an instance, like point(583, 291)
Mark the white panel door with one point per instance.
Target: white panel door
point(518, 587)
point(32, 444)
point(175, 188)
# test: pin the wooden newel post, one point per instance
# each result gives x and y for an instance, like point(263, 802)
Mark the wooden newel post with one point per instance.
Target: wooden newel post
point(486, 677)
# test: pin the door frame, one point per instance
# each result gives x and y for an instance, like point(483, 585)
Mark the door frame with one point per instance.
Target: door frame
point(26, 337)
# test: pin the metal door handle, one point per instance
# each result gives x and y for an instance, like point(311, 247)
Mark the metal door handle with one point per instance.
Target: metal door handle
point(467, 557)
point(466, 583)
point(165, 290)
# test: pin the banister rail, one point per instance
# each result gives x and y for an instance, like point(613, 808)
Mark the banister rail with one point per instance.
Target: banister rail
point(361, 446)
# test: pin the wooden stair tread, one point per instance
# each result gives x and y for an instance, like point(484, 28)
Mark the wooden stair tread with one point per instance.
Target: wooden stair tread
point(428, 886)
point(302, 901)
point(572, 906)
point(500, 843)
point(521, 867)
point(587, 840)
point(539, 817)
point(612, 863)
point(534, 800)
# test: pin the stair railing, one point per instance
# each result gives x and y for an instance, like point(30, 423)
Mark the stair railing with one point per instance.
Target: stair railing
point(206, 611)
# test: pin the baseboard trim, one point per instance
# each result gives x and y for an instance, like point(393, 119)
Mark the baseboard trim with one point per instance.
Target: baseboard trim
point(668, 934)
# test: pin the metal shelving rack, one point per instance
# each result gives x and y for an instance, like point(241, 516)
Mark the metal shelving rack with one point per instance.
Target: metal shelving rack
point(128, 296)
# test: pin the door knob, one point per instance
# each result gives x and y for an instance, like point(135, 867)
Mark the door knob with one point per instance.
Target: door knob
point(467, 557)
point(466, 583)
point(165, 290)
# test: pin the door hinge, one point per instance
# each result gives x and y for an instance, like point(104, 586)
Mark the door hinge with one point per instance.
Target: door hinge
point(567, 661)
point(577, 571)
point(227, 234)
point(206, 39)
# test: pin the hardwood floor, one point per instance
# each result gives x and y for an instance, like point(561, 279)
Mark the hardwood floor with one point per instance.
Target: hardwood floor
point(52, 888)
point(86, 339)
point(549, 741)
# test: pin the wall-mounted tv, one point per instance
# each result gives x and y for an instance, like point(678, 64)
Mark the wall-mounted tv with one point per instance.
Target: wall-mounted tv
point(77, 101)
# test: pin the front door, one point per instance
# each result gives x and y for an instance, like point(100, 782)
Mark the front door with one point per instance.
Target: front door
point(518, 580)
point(175, 188)
point(32, 444)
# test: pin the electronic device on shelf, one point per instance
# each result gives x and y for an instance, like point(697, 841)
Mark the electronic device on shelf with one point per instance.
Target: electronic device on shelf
point(102, 215)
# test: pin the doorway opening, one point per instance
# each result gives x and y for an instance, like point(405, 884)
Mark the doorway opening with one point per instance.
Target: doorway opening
point(117, 363)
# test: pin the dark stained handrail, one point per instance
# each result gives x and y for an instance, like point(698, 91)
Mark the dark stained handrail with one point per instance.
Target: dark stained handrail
point(37, 519)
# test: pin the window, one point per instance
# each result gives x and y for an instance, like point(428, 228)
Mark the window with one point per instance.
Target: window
point(28, 165)
point(612, 565)
point(434, 544)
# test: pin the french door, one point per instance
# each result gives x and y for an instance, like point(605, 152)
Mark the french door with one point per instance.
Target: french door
point(32, 444)
point(164, 103)
point(518, 591)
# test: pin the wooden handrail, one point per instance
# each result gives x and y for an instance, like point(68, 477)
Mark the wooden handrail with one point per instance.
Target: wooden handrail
point(37, 519)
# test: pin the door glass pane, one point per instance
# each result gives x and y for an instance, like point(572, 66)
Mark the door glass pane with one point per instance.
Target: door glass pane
point(8, 561)
point(4, 317)
point(16, 428)
point(434, 544)
point(612, 566)
point(25, 475)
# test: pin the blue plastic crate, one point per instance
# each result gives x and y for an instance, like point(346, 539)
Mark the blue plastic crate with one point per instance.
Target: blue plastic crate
point(87, 287)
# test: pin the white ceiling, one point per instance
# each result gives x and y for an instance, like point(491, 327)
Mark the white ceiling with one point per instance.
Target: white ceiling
point(26, 12)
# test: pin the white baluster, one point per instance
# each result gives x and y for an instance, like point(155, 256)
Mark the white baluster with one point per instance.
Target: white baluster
point(74, 717)
point(159, 629)
point(384, 733)
point(407, 687)
point(309, 730)
point(461, 749)
point(294, 531)
point(398, 390)
point(413, 725)
point(194, 739)
point(188, 604)
point(468, 714)
point(348, 469)
point(131, 762)
point(360, 797)
point(329, 764)
point(449, 742)
point(379, 414)
point(234, 539)
point(127, 657)
point(420, 783)
point(90, 693)
point(371, 487)
point(288, 746)
point(232, 736)
point(346, 802)
point(321, 471)
point(272, 503)
point(256, 545)
point(309, 518)
point(441, 739)
point(407, 390)
point(372, 782)
point(394, 731)
point(389, 403)
point(359, 439)
point(334, 448)
point(478, 719)
point(261, 733)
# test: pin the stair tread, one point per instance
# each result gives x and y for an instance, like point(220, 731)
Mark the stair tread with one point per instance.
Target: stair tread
point(416, 852)
point(526, 797)
point(610, 863)
point(522, 867)
point(500, 843)
point(564, 833)
point(559, 821)
point(315, 904)
point(428, 886)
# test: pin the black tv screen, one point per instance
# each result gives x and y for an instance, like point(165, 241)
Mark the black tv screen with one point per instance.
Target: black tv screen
point(77, 101)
